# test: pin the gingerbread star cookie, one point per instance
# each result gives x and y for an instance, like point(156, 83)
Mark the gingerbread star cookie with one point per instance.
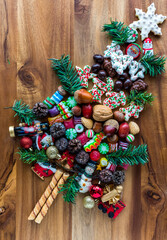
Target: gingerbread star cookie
point(148, 22)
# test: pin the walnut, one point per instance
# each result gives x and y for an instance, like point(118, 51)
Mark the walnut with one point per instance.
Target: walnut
point(102, 113)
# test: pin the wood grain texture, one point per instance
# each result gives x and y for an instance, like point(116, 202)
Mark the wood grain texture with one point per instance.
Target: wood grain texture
point(32, 32)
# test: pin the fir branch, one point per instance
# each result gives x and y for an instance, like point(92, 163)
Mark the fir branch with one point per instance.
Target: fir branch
point(153, 64)
point(28, 156)
point(118, 31)
point(140, 98)
point(132, 155)
point(70, 189)
point(66, 73)
point(23, 111)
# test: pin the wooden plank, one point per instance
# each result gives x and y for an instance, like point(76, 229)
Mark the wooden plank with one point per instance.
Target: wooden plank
point(45, 30)
point(8, 29)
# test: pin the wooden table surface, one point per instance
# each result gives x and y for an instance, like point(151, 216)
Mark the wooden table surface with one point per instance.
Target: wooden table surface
point(32, 31)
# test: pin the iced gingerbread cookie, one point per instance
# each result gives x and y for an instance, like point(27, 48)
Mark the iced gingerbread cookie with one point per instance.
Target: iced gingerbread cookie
point(148, 22)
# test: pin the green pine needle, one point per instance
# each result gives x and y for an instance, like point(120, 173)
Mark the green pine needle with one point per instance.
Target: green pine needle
point(66, 73)
point(132, 155)
point(28, 156)
point(140, 98)
point(153, 64)
point(23, 111)
point(70, 188)
point(118, 31)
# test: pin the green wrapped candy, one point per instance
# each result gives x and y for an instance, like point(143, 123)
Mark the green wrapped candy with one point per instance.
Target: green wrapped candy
point(71, 133)
point(103, 148)
point(71, 102)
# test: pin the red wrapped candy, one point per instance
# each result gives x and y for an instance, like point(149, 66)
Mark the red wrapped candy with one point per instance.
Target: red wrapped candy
point(95, 155)
point(96, 191)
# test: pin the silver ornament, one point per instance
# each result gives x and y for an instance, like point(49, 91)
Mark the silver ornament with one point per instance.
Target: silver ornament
point(88, 202)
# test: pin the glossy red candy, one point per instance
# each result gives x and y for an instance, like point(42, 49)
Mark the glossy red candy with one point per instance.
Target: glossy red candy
point(87, 110)
point(95, 155)
point(123, 130)
point(96, 191)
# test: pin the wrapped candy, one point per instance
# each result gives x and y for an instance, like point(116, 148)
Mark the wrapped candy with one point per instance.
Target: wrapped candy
point(94, 142)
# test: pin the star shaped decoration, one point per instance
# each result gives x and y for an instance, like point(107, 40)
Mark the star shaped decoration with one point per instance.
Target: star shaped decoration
point(84, 75)
point(148, 22)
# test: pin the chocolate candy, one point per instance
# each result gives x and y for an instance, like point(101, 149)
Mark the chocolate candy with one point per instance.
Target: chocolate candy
point(123, 76)
point(61, 144)
point(127, 84)
point(82, 157)
point(105, 176)
point(95, 68)
point(118, 85)
point(102, 75)
point(98, 58)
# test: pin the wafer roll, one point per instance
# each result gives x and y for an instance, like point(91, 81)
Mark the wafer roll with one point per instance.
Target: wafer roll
point(50, 199)
point(58, 174)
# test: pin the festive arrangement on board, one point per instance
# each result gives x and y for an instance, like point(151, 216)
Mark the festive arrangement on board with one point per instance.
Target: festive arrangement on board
point(83, 136)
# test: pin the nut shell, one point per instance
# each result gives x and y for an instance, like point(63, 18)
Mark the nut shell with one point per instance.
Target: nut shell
point(102, 113)
point(88, 123)
point(134, 128)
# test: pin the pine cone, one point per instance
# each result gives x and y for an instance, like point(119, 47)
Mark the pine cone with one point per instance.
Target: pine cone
point(74, 146)
point(40, 110)
point(118, 177)
point(57, 130)
point(61, 144)
point(139, 85)
point(108, 67)
point(82, 157)
point(105, 176)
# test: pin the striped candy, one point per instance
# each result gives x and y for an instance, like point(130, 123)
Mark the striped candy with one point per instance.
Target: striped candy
point(89, 133)
point(130, 138)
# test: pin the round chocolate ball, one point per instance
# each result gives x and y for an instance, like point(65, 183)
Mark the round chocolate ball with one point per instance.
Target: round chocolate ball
point(118, 85)
point(95, 68)
point(102, 75)
point(123, 76)
point(127, 84)
point(98, 58)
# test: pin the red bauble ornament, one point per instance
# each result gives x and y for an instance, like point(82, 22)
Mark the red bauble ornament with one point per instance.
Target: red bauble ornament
point(26, 142)
point(96, 191)
point(95, 155)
